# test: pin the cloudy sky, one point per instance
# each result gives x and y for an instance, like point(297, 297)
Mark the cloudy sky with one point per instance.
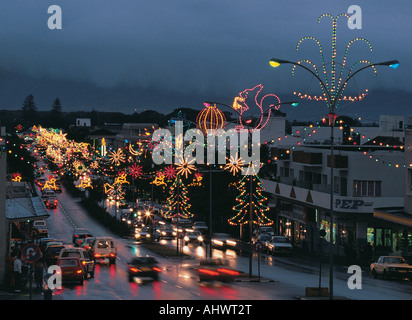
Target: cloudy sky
point(131, 55)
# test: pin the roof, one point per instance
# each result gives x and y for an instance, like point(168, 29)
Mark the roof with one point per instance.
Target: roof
point(31, 208)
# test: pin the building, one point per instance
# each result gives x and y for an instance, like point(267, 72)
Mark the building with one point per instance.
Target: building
point(135, 133)
point(365, 176)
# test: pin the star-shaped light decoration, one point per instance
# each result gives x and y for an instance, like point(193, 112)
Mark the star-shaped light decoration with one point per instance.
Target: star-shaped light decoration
point(170, 172)
point(184, 167)
point(136, 170)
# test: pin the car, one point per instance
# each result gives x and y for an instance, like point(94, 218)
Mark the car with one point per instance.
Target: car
point(41, 226)
point(104, 249)
point(193, 236)
point(43, 243)
point(46, 194)
point(58, 188)
point(263, 238)
point(266, 230)
point(144, 267)
point(88, 244)
point(145, 234)
point(71, 269)
point(51, 203)
point(278, 245)
point(216, 269)
point(222, 240)
point(40, 181)
point(85, 259)
point(391, 267)
point(52, 253)
point(79, 234)
point(165, 232)
point(200, 226)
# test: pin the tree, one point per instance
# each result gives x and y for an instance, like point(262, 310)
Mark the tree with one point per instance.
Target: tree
point(29, 110)
point(259, 203)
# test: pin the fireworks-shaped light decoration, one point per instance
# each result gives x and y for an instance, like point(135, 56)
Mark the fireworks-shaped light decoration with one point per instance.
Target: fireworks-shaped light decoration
point(117, 157)
point(235, 165)
point(135, 170)
point(334, 81)
point(170, 172)
point(178, 201)
point(185, 167)
point(210, 118)
point(259, 204)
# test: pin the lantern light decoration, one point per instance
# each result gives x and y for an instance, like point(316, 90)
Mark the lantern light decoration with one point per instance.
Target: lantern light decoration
point(210, 118)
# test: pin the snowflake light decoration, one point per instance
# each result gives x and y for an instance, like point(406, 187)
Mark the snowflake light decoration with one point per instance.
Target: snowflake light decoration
point(170, 172)
point(184, 167)
point(235, 165)
point(136, 170)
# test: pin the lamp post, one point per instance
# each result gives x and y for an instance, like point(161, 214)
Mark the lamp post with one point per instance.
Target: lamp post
point(333, 99)
point(206, 103)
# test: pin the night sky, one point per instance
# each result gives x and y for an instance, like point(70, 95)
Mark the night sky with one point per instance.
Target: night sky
point(132, 55)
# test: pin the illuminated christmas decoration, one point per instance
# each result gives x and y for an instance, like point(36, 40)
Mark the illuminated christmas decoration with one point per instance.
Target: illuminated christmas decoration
point(116, 157)
point(184, 167)
point(85, 182)
point(241, 104)
point(159, 179)
point(170, 172)
point(94, 165)
point(103, 151)
point(197, 181)
point(210, 118)
point(177, 202)
point(108, 188)
point(16, 177)
point(333, 81)
point(259, 204)
point(134, 152)
point(121, 179)
point(234, 165)
point(136, 170)
point(50, 184)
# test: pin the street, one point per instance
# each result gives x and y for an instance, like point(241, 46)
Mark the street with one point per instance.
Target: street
point(283, 278)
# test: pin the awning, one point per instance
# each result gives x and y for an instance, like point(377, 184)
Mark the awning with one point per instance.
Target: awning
point(22, 209)
point(395, 215)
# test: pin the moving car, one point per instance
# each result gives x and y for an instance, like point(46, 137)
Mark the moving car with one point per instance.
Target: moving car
point(144, 267)
point(85, 259)
point(52, 253)
point(79, 235)
point(391, 267)
point(200, 226)
point(165, 232)
point(51, 203)
point(223, 240)
point(193, 236)
point(278, 245)
point(41, 226)
point(104, 249)
point(216, 269)
point(71, 269)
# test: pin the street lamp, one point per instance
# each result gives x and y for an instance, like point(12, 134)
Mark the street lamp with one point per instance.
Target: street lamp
point(208, 103)
point(333, 99)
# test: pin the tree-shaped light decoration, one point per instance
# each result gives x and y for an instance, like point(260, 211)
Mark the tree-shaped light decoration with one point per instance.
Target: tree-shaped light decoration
point(178, 201)
point(334, 80)
point(259, 203)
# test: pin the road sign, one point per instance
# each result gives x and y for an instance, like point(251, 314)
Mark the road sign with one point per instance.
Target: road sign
point(31, 253)
point(258, 246)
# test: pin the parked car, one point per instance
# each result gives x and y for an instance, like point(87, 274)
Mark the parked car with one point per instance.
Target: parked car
point(278, 245)
point(391, 267)
point(144, 267)
point(216, 269)
point(266, 230)
point(71, 269)
point(264, 237)
point(193, 236)
point(85, 259)
point(104, 249)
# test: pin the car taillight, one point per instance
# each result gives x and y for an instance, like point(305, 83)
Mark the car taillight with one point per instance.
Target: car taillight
point(97, 255)
point(112, 255)
point(228, 271)
point(157, 269)
point(209, 272)
point(79, 271)
point(134, 270)
point(83, 262)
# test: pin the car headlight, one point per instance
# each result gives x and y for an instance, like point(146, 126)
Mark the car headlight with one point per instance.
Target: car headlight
point(186, 238)
point(200, 238)
point(163, 233)
point(137, 235)
point(148, 235)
